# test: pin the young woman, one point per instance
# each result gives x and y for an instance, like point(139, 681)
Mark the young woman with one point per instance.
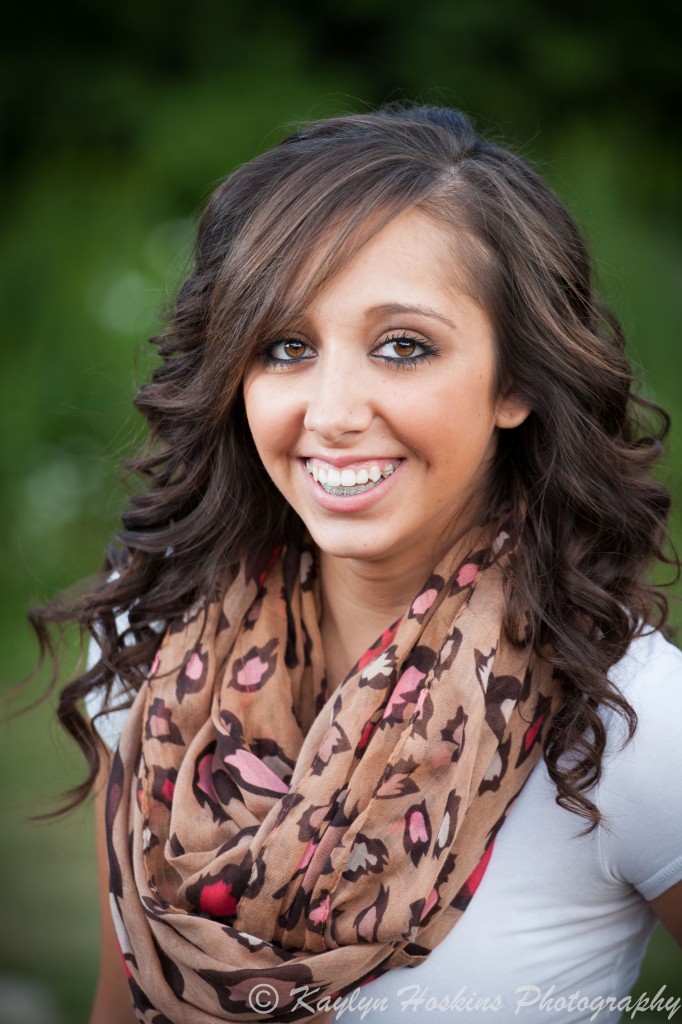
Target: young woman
point(399, 736)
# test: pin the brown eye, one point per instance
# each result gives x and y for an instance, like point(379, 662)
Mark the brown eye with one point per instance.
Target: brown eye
point(289, 351)
point(404, 346)
point(403, 351)
point(293, 348)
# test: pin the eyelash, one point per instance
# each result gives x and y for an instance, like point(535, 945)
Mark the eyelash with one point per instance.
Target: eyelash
point(407, 362)
point(398, 363)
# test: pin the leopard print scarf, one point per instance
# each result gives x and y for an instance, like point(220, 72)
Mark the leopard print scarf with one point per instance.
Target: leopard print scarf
point(267, 838)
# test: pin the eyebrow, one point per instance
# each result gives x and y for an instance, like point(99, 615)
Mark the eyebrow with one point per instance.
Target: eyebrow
point(392, 308)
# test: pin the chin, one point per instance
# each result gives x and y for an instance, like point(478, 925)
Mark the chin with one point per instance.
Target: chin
point(338, 544)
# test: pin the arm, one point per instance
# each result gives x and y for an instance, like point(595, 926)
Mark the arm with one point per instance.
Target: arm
point(668, 909)
point(113, 1003)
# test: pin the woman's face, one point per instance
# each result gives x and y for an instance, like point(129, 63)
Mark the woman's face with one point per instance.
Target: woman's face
point(377, 421)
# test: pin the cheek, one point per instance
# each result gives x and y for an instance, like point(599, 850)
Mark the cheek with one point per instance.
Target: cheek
point(271, 415)
point(448, 416)
point(458, 428)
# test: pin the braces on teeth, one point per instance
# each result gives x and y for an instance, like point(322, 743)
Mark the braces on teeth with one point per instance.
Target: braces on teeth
point(348, 481)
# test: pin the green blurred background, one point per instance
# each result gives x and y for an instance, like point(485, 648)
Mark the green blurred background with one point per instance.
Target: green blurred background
point(117, 122)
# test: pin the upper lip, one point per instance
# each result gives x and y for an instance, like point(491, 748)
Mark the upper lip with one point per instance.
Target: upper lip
point(341, 461)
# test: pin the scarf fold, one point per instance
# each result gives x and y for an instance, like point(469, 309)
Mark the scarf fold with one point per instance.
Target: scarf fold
point(268, 839)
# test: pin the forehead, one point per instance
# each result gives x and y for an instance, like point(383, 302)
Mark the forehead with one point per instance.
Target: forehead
point(410, 244)
point(411, 261)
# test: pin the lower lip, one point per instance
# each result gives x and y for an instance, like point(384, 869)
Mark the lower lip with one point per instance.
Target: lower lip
point(350, 502)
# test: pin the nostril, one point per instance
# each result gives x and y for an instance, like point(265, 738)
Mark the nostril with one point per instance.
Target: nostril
point(330, 420)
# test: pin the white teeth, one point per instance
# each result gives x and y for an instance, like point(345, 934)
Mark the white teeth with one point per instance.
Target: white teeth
point(349, 481)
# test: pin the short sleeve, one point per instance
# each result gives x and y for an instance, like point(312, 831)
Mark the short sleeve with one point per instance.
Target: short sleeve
point(640, 794)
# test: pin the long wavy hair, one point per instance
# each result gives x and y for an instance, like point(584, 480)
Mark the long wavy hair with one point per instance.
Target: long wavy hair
point(577, 471)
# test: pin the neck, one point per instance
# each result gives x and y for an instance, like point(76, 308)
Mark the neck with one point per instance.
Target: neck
point(358, 602)
point(361, 590)
point(360, 599)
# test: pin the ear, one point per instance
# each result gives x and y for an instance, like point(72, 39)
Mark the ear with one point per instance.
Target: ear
point(511, 411)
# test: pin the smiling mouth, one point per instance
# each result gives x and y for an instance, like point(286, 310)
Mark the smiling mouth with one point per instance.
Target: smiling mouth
point(346, 482)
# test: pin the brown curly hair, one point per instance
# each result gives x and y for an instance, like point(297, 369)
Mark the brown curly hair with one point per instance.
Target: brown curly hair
point(577, 471)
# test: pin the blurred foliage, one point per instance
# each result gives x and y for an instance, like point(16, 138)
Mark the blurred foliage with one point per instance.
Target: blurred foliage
point(117, 121)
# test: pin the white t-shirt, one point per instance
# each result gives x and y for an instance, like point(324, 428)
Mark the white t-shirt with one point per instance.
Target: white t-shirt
point(559, 924)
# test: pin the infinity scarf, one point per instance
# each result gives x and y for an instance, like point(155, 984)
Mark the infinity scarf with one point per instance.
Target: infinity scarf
point(267, 838)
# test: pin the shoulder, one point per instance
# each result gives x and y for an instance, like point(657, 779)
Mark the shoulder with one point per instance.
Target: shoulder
point(641, 841)
point(651, 662)
point(649, 676)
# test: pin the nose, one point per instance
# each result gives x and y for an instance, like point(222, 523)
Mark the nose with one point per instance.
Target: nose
point(339, 402)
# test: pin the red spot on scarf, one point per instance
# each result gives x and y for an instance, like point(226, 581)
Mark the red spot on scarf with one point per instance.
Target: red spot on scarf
point(366, 733)
point(474, 879)
point(263, 575)
point(382, 643)
point(533, 731)
point(125, 962)
point(168, 789)
point(217, 899)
